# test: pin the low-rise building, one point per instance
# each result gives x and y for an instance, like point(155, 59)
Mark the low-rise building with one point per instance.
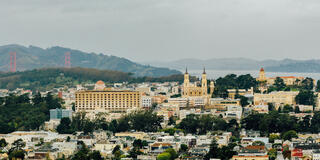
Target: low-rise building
point(222, 104)
point(146, 101)
point(276, 98)
point(59, 113)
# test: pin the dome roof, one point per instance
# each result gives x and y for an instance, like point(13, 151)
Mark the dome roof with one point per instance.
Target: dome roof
point(100, 82)
point(261, 69)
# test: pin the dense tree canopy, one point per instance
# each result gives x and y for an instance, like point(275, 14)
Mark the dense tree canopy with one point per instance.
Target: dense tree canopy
point(49, 78)
point(233, 81)
point(305, 97)
point(145, 121)
point(18, 113)
point(223, 153)
point(202, 124)
point(275, 122)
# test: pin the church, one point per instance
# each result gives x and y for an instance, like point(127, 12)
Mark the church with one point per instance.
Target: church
point(195, 90)
point(288, 80)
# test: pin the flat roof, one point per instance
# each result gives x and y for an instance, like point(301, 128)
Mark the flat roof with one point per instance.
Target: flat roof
point(106, 91)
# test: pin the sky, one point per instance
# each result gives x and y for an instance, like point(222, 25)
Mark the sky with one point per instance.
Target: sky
point(165, 30)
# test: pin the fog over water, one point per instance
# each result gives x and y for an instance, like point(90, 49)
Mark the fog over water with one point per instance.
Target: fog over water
point(214, 74)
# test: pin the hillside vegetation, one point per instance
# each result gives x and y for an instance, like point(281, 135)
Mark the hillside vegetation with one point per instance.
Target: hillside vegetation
point(32, 57)
point(48, 78)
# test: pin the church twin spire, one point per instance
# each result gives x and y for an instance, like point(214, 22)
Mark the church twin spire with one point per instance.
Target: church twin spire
point(204, 70)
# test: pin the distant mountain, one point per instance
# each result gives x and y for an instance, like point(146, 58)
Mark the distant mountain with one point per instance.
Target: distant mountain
point(285, 65)
point(33, 57)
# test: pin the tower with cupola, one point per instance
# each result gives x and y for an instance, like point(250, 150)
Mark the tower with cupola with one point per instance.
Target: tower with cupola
point(204, 85)
point(186, 82)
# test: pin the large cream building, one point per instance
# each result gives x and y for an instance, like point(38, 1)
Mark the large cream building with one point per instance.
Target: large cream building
point(288, 80)
point(277, 98)
point(106, 100)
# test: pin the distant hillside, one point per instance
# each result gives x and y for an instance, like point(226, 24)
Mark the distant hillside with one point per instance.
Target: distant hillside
point(309, 66)
point(286, 65)
point(34, 57)
point(49, 78)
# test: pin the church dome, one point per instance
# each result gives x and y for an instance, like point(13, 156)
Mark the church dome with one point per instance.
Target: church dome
point(100, 83)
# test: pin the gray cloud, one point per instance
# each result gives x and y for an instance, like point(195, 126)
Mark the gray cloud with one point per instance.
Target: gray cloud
point(144, 30)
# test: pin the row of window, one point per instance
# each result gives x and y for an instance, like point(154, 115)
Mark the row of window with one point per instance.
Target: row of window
point(105, 95)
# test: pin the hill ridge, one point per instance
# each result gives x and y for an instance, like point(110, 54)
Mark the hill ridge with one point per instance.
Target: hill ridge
point(33, 57)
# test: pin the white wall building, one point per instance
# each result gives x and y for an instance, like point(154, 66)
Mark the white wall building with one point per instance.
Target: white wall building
point(146, 101)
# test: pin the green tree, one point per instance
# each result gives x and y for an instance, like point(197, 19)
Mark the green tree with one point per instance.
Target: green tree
point(183, 148)
point(16, 151)
point(172, 152)
point(273, 137)
point(88, 127)
point(279, 84)
point(95, 155)
point(289, 135)
point(287, 108)
point(82, 153)
point(145, 121)
point(17, 154)
point(18, 144)
point(52, 102)
point(18, 113)
point(243, 100)
point(189, 124)
point(271, 107)
point(224, 153)
point(213, 152)
point(113, 126)
point(65, 126)
point(305, 124)
point(272, 153)
point(73, 107)
point(137, 143)
point(115, 149)
point(307, 84)
point(315, 123)
point(3, 143)
point(172, 121)
point(164, 156)
point(296, 109)
point(171, 131)
point(273, 122)
point(37, 99)
point(305, 97)
point(134, 152)
point(222, 84)
point(318, 86)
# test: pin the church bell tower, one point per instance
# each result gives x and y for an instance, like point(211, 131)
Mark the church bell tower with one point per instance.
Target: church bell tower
point(204, 82)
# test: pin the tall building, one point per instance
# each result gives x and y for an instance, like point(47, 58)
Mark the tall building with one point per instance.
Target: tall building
point(105, 100)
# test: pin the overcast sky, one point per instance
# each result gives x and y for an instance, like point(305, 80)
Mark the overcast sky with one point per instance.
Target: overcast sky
point(148, 30)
